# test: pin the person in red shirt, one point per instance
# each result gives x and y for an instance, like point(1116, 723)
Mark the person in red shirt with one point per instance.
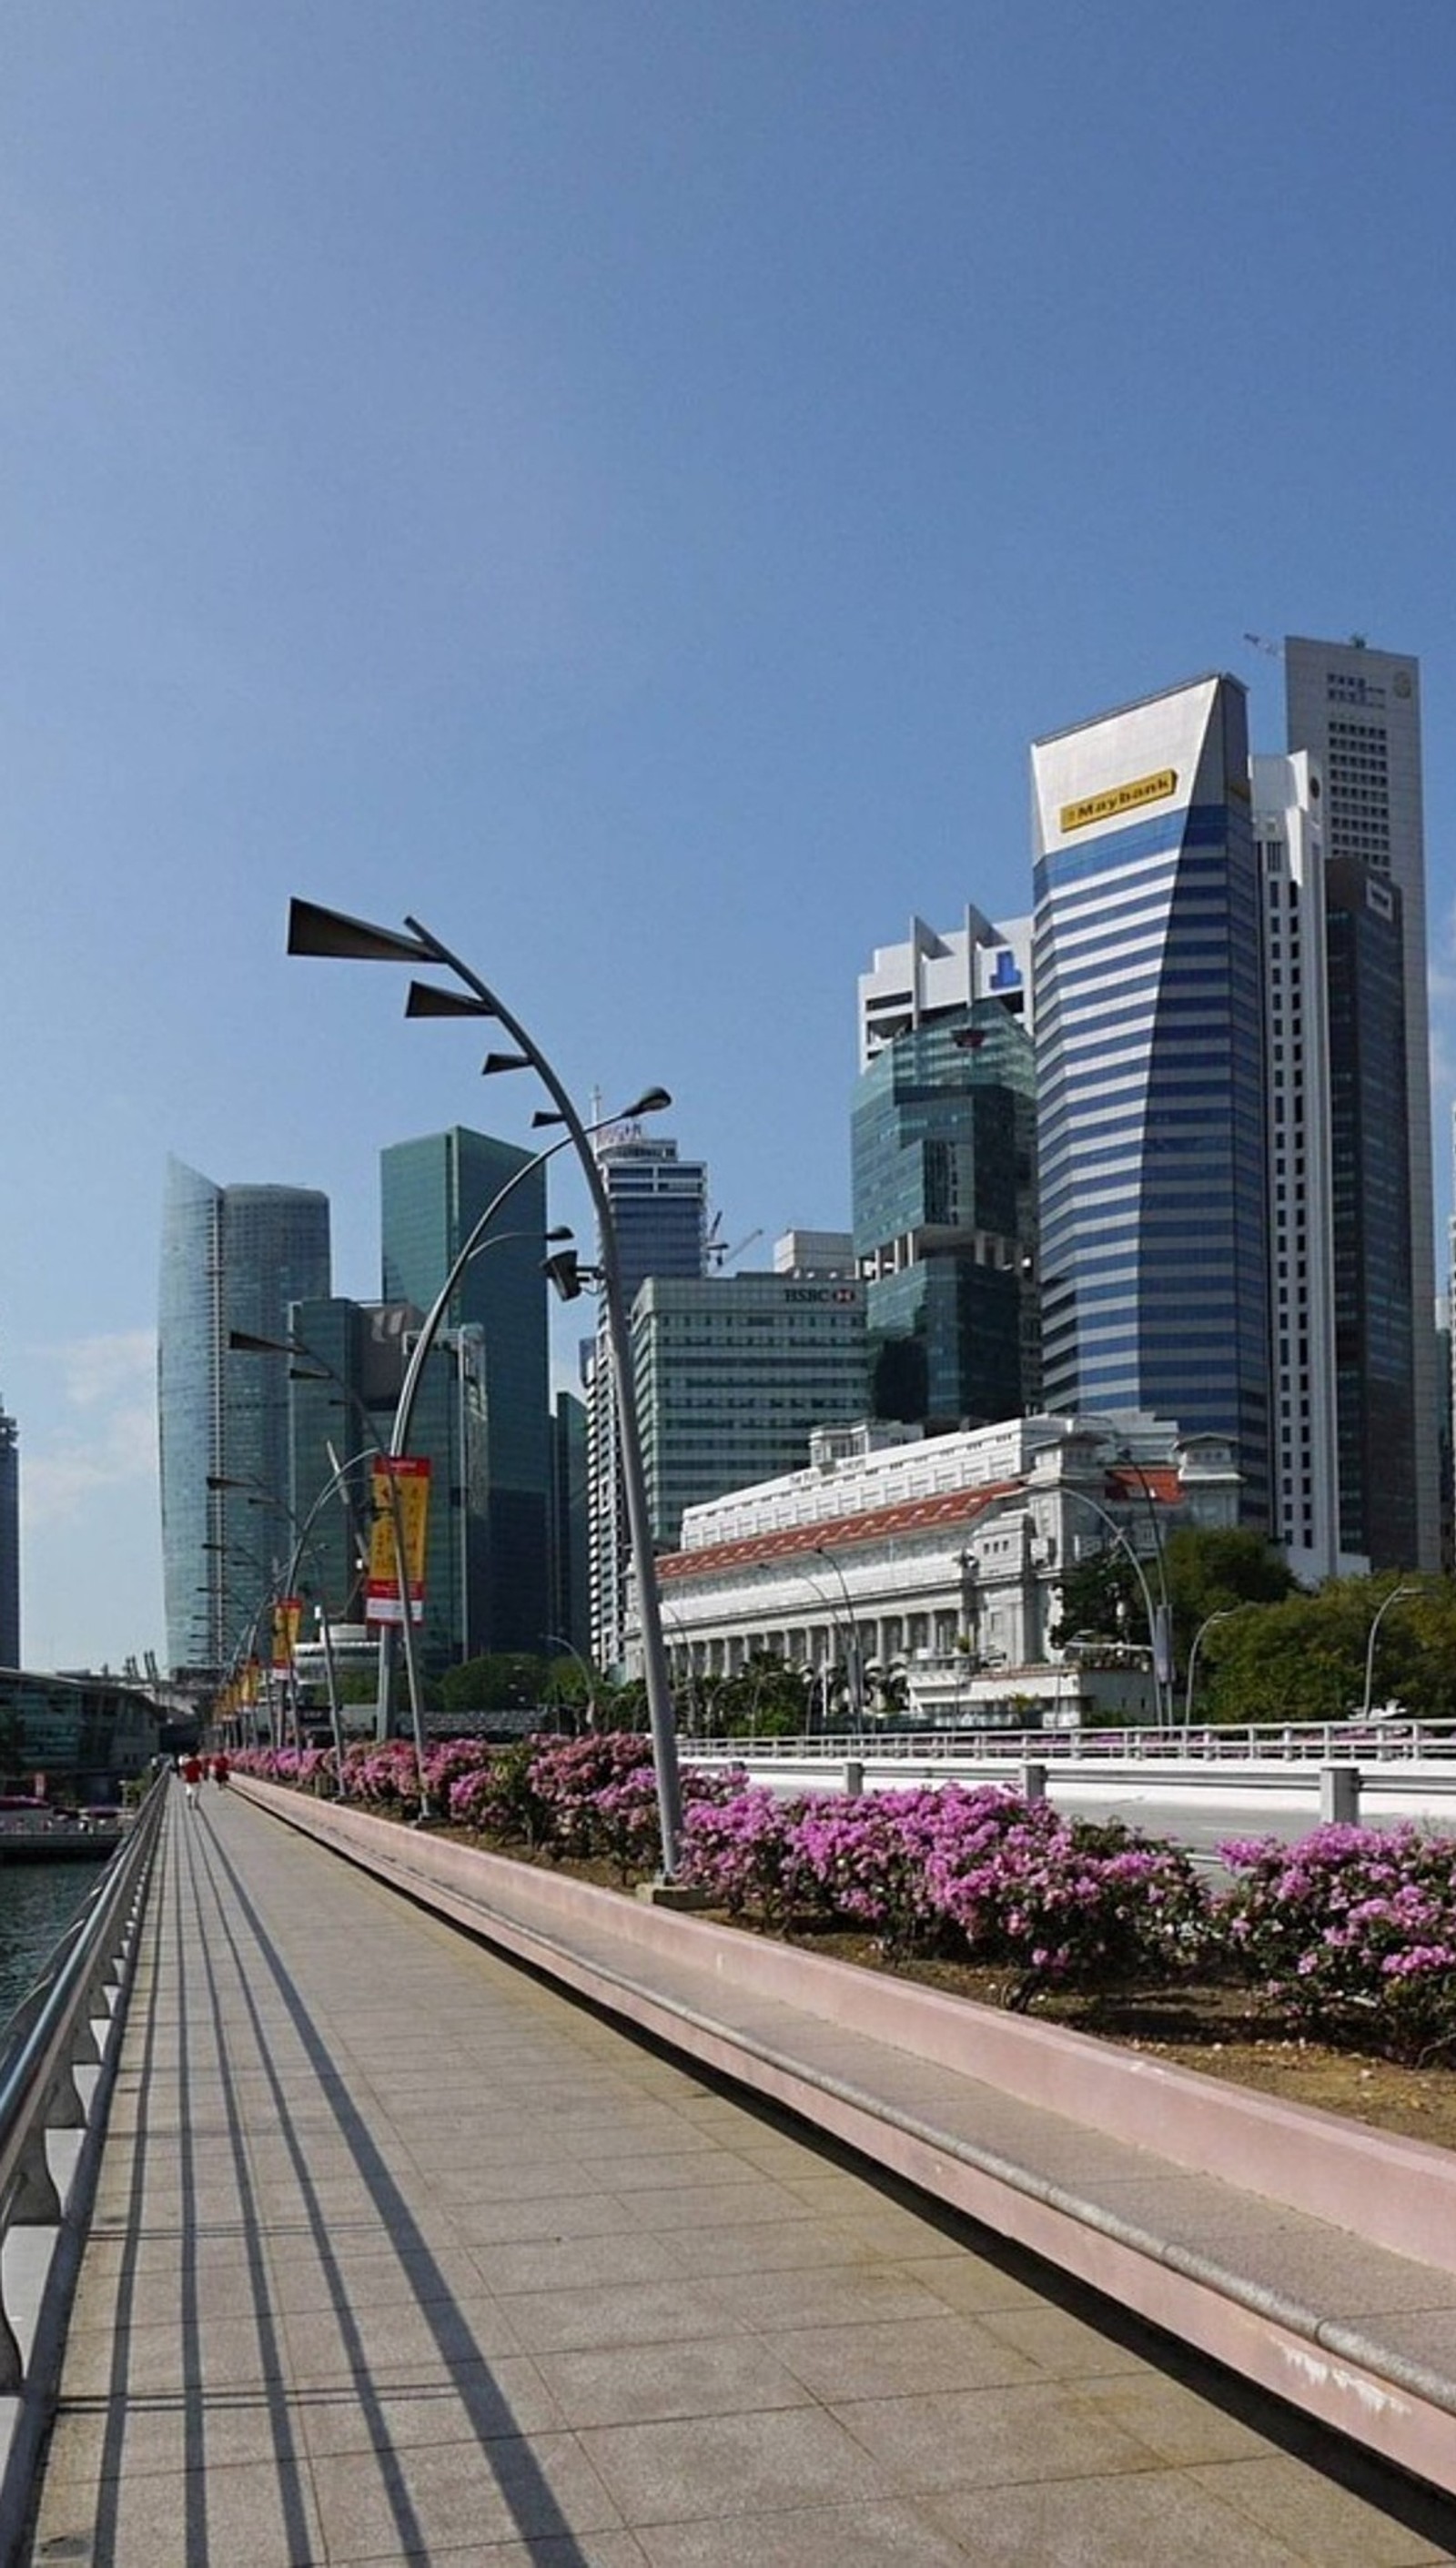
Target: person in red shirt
point(192, 1777)
point(220, 1771)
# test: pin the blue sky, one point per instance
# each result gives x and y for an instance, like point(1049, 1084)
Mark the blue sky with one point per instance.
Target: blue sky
point(625, 483)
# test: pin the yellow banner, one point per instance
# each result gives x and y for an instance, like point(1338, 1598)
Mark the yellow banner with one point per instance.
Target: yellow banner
point(401, 1491)
point(1119, 798)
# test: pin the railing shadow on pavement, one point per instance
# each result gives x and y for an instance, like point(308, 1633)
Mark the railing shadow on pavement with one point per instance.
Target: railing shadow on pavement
point(56, 2065)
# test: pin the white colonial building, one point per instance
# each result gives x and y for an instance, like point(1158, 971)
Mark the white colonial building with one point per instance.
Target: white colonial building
point(942, 1558)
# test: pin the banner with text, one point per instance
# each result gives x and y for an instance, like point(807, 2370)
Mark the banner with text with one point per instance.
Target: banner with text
point(401, 1496)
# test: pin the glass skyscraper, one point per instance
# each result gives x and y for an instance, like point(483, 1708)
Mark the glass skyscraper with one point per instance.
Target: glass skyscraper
point(489, 1502)
point(1150, 1072)
point(659, 1218)
point(944, 1167)
point(232, 1257)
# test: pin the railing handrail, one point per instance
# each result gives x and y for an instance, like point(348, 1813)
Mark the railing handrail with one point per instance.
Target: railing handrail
point(50, 2034)
point(1277, 1742)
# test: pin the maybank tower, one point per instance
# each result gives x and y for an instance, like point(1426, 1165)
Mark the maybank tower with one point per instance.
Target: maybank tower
point(1151, 1116)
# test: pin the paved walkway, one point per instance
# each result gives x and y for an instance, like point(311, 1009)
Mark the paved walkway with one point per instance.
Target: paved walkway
point(399, 2255)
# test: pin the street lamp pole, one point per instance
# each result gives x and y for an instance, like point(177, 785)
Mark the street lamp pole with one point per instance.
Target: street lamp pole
point(1120, 1538)
point(1163, 1622)
point(1394, 1598)
point(312, 930)
point(1225, 1614)
point(853, 1659)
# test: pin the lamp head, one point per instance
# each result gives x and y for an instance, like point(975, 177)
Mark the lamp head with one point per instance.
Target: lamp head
point(312, 930)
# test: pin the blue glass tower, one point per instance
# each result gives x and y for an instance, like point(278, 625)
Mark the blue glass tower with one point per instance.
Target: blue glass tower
point(1149, 1019)
point(232, 1257)
point(490, 1505)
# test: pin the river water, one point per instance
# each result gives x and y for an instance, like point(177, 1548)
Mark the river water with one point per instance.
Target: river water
point(37, 1904)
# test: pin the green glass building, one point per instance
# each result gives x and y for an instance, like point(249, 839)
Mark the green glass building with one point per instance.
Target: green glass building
point(944, 1222)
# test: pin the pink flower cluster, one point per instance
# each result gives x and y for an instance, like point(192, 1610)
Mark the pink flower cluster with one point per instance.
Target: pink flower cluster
point(1351, 1933)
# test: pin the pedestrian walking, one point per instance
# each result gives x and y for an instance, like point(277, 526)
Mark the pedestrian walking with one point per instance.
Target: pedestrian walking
point(192, 1777)
point(220, 1771)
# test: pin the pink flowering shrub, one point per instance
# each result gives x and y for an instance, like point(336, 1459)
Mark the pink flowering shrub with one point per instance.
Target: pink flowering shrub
point(1073, 1904)
point(1351, 1932)
point(869, 1855)
point(740, 1849)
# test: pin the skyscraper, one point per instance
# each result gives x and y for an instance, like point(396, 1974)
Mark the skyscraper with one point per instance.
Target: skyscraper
point(1305, 1513)
point(232, 1257)
point(734, 1373)
point(9, 1543)
point(943, 1174)
point(495, 1498)
point(1150, 1072)
point(1357, 713)
point(659, 1218)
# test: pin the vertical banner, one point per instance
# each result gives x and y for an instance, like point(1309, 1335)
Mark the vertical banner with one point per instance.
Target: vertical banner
point(401, 1481)
point(287, 1614)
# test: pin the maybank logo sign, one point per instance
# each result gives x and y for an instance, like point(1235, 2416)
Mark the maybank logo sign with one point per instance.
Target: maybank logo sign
point(1119, 799)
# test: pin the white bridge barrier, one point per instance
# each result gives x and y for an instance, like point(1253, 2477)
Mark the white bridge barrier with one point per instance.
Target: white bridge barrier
point(1376, 1772)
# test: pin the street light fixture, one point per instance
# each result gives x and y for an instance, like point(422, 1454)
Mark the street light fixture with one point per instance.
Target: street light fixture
point(303, 1540)
point(318, 931)
point(1120, 1538)
point(1394, 1598)
point(853, 1656)
point(1225, 1614)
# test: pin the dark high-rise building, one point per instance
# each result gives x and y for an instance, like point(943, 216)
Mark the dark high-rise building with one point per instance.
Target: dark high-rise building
point(570, 1601)
point(1357, 712)
point(9, 1542)
point(944, 1161)
point(233, 1258)
point(1376, 1379)
point(491, 1481)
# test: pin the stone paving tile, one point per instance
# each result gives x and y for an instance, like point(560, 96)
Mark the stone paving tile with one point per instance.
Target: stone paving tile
point(884, 2534)
point(238, 2516)
point(1139, 2520)
point(887, 2359)
point(430, 2497)
point(1333, 2525)
point(763, 2462)
point(642, 2384)
point(980, 2437)
point(504, 2398)
point(616, 2314)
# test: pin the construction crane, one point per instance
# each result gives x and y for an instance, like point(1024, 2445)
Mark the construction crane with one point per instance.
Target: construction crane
point(718, 1253)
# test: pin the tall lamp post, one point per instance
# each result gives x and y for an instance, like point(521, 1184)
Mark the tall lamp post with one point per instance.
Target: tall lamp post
point(303, 1541)
point(1224, 1614)
point(312, 930)
point(1163, 1620)
point(313, 1369)
point(1120, 1538)
point(1394, 1598)
point(853, 1656)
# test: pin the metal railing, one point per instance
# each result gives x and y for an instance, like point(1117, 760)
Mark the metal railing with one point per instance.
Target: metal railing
point(61, 2028)
point(1376, 1742)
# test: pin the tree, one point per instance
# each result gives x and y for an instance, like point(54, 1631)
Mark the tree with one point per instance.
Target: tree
point(1214, 1570)
point(497, 1681)
point(1102, 1597)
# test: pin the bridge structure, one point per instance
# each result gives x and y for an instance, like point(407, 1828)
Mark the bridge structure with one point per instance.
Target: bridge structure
point(437, 2208)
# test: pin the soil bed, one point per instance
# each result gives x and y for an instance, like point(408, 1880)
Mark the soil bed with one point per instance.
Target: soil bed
point(1216, 2031)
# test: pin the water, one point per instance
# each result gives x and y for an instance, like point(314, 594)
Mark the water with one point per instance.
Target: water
point(37, 1904)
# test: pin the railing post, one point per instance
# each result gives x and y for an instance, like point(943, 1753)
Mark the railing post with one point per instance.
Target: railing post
point(853, 1777)
point(1033, 1779)
point(1339, 1797)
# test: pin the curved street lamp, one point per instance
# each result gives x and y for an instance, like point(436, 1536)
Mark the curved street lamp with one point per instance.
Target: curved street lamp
point(1120, 1538)
point(1394, 1598)
point(1224, 1614)
point(853, 1656)
point(317, 931)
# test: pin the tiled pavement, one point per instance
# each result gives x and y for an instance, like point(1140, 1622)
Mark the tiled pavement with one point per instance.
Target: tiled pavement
point(399, 2255)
